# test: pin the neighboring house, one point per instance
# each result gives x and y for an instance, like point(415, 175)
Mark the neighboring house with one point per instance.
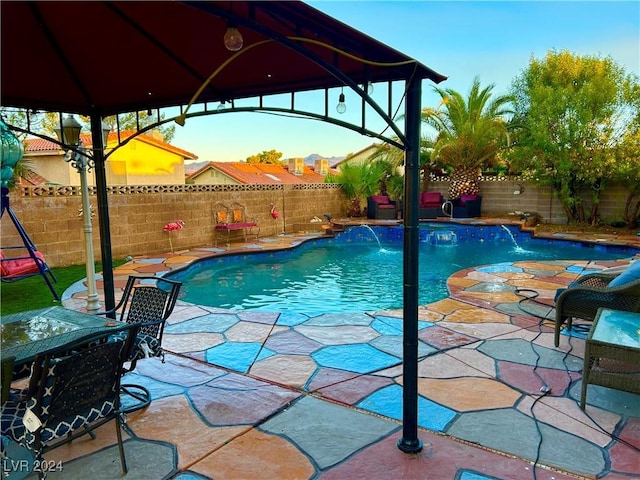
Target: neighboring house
point(236, 173)
point(358, 157)
point(145, 160)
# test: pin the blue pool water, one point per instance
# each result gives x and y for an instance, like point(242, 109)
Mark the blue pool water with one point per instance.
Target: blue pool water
point(361, 269)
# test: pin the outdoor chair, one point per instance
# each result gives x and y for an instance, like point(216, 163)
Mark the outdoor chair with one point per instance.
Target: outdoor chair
point(381, 207)
point(146, 302)
point(467, 206)
point(430, 205)
point(72, 390)
point(588, 293)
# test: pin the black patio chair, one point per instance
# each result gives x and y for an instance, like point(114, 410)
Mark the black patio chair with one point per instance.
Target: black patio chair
point(146, 302)
point(72, 390)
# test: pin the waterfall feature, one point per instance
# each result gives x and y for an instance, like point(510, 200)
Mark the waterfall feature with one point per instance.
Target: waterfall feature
point(442, 237)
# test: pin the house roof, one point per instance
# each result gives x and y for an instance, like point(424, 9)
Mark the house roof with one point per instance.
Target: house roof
point(261, 173)
point(169, 49)
point(36, 144)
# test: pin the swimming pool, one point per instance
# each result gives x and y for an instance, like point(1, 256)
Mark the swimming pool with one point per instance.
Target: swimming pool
point(360, 269)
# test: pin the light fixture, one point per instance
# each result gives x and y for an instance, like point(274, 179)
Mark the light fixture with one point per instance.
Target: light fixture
point(368, 88)
point(222, 105)
point(233, 38)
point(341, 107)
point(69, 135)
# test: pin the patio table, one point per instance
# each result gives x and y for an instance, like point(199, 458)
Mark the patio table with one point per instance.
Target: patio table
point(26, 334)
point(612, 353)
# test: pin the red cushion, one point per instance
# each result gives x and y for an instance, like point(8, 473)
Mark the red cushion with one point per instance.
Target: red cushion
point(380, 199)
point(19, 266)
point(430, 199)
point(465, 198)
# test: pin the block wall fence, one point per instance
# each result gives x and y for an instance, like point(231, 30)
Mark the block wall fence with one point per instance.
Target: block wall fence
point(52, 215)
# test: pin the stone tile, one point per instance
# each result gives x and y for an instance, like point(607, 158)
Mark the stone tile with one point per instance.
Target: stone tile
point(341, 335)
point(194, 439)
point(446, 365)
point(256, 455)
point(310, 422)
point(565, 414)
point(443, 338)
point(249, 332)
point(290, 370)
point(468, 393)
point(238, 400)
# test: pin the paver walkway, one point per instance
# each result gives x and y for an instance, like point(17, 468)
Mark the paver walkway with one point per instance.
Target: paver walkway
point(247, 395)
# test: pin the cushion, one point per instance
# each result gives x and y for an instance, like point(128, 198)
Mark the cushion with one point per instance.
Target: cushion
point(631, 273)
point(221, 217)
point(430, 197)
point(19, 266)
point(465, 198)
point(380, 199)
point(237, 216)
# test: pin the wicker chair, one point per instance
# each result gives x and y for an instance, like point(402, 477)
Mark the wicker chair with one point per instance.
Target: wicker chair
point(146, 302)
point(591, 292)
point(72, 390)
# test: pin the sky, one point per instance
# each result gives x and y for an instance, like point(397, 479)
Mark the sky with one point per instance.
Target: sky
point(459, 39)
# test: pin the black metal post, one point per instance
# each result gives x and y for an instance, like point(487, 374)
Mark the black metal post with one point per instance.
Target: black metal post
point(410, 443)
point(103, 211)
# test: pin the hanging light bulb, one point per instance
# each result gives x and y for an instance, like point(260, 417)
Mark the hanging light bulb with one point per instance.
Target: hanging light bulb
point(341, 107)
point(369, 88)
point(233, 38)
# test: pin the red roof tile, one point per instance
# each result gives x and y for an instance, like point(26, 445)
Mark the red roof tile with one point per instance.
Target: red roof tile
point(37, 144)
point(261, 173)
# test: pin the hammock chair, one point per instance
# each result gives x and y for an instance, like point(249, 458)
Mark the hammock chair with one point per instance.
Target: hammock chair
point(28, 261)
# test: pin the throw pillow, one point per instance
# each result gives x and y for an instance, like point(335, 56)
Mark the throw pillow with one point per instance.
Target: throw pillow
point(631, 273)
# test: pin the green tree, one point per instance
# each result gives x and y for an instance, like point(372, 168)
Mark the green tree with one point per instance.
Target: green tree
point(573, 112)
point(469, 133)
point(627, 173)
point(45, 123)
point(358, 181)
point(271, 156)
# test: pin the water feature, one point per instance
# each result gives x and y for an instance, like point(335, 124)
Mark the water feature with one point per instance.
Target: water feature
point(367, 227)
point(513, 239)
point(352, 274)
point(442, 237)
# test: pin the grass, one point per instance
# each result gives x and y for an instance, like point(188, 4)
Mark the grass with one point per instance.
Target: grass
point(33, 292)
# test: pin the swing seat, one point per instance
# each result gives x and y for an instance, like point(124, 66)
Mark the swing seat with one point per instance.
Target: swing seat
point(17, 268)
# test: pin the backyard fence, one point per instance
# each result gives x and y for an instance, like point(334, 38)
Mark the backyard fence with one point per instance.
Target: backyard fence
point(52, 215)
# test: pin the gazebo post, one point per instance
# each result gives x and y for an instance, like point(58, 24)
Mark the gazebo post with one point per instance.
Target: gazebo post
point(410, 443)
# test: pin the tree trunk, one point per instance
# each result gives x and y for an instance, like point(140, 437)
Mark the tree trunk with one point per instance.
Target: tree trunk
point(465, 181)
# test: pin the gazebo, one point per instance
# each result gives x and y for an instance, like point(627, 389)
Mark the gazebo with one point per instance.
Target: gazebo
point(60, 57)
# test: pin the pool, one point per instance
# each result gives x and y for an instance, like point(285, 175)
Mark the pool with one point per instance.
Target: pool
point(360, 269)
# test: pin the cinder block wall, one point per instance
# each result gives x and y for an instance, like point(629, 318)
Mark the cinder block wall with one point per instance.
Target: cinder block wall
point(52, 215)
point(498, 197)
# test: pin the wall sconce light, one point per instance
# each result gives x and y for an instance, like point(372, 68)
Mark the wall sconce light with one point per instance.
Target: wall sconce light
point(341, 107)
point(233, 38)
point(519, 189)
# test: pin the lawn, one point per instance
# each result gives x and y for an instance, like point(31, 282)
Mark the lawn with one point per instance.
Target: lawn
point(32, 292)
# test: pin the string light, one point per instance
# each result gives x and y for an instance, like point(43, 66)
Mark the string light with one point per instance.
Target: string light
point(341, 107)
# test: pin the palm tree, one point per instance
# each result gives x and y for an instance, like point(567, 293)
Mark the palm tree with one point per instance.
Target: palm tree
point(358, 181)
point(393, 157)
point(470, 133)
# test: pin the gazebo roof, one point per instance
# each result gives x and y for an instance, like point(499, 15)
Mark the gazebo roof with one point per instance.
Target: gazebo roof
point(104, 57)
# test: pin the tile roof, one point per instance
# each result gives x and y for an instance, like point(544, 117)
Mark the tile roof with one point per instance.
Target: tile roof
point(37, 144)
point(261, 173)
